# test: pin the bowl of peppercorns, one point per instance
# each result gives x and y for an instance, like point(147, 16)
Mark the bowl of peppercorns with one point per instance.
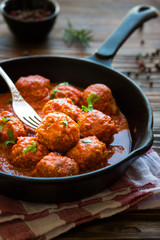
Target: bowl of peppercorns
point(30, 19)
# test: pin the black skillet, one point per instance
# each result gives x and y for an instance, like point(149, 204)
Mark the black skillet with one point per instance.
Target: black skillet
point(83, 72)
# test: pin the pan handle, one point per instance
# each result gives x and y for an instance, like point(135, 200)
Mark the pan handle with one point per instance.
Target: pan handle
point(134, 19)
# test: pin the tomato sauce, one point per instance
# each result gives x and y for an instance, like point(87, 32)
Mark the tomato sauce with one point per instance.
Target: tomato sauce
point(117, 150)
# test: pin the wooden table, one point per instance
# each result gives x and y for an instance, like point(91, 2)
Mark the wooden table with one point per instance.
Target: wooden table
point(102, 17)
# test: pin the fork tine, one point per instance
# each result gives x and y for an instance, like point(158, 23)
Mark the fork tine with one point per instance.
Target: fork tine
point(30, 123)
point(38, 118)
point(33, 119)
point(21, 108)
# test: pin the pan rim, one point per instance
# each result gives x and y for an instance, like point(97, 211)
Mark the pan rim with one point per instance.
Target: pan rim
point(133, 154)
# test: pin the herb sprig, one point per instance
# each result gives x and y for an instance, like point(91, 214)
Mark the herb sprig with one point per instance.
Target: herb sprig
point(91, 99)
point(82, 36)
point(65, 122)
point(11, 138)
point(53, 93)
point(9, 101)
point(31, 147)
point(5, 119)
point(87, 140)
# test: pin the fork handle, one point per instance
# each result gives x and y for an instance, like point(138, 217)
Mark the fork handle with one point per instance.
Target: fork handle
point(16, 96)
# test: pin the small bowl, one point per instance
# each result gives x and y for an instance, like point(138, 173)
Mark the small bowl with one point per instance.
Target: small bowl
point(30, 19)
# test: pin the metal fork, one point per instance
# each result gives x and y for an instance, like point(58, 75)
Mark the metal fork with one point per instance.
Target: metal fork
point(21, 108)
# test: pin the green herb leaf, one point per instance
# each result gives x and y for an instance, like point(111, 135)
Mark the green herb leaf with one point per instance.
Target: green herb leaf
point(53, 93)
point(86, 141)
point(65, 122)
point(5, 119)
point(58, 137)
point(81, 36)
point(79, 128)
point(91, 99)
point(10, 134)
point(141, 54)
point(63, 83)
point(85, 109)
point(1, 126)
point(9, 101)
point(46, 106)
point(31, 147)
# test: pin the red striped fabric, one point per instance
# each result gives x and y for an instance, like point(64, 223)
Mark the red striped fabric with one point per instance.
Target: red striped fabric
point(138, 188)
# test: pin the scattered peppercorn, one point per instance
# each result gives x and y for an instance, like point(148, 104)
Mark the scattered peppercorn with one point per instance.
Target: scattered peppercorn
point(148, 76)
point(136, 74)
point(149, 70)
point(128, 74)
point(141, 27)
point(142, 42)
point(157, 51)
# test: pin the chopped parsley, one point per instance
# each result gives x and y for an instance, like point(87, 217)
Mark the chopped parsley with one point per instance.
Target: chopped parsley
point(31, 147)
point(65, 122)
point(63, 83)
point(58, 137)
point(53, 93)
point(46, 106)
point(79, 128)
point(58, 100)
point(5, 119)
point(84, 108)
point(9, 101)
point(91, 99)
point(1, 126)
point(10, 134)
point(87, 140)
point(2, 123)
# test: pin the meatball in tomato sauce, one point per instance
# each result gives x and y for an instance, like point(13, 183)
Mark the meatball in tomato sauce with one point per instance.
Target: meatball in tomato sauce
point(54, 165)
point(106, 102)
point(96, 123)
point(63, 105)
point(10, 127)
point(58, 132)
point(65, 90)
point(27, 152)
point(89, 153)
point(35, 89)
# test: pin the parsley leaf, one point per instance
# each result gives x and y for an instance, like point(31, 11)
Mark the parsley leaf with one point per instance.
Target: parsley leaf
point(87, 140)
point(9, 101)
point(5, 119)
point(53, 93)
point(91, 99)
point(1, 126)
point(85, 109)
point(63, 83)
point(31, 147)
point(10, 134)
point(65, 122)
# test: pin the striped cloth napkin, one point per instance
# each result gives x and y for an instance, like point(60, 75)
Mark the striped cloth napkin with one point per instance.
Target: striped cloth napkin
point(138, 188)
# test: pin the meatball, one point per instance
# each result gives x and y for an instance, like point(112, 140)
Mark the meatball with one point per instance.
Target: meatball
point(64, 106)
point(97, 124)
point(54, 165)
point(10, 127)
point(27, 152)
point(58, 132)
point(89, 153)
point(34, 89)
point(106, 102)
point(64, 90)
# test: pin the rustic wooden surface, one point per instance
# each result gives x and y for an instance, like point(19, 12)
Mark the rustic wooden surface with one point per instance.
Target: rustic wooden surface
point(102, 17)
